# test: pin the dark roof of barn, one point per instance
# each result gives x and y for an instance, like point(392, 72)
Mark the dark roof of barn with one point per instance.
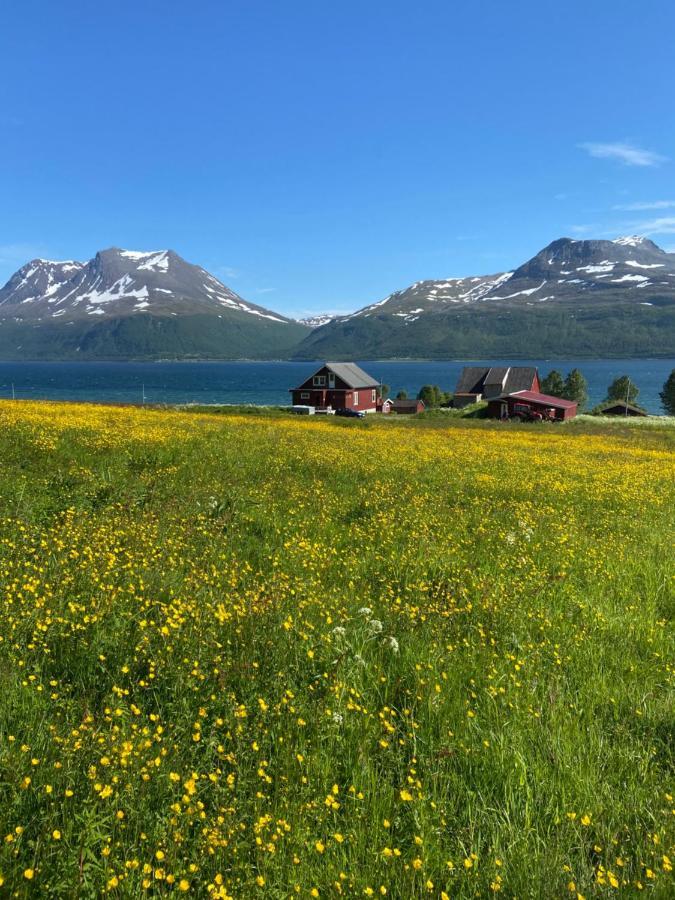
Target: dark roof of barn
point(474, 378)
point(520, 378)
point(471, 380)
point(352, 375)
point(623, 406)
point(496, 375)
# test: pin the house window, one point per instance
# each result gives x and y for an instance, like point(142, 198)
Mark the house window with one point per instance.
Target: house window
point(331, 380)
point(304, 395)
point(319, 380)
point(373, 396)
point(356, 398)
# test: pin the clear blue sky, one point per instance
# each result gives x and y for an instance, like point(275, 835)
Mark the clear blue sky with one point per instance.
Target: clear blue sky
point(317, 156)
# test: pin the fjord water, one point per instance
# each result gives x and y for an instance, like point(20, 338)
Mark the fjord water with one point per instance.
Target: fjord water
point(267, 383)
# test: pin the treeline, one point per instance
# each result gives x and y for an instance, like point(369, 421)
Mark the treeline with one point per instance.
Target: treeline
point(622, 390)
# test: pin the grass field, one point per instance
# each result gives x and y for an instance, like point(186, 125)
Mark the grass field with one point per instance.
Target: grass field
point(254, 656)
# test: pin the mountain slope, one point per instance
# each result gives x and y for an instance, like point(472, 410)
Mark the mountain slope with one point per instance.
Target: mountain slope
point(125, 304)
point(591, 298)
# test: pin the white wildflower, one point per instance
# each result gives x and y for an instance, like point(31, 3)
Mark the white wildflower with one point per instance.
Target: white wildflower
point(392, 643)
point(375, 626)
point(364, 611)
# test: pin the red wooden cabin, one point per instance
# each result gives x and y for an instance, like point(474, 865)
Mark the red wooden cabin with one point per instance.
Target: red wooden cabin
point(338, 386)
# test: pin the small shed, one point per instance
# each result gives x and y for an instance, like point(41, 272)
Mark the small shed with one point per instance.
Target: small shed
point(408, 407)
point(384, 406)
point(621, 408)
point(531, 404)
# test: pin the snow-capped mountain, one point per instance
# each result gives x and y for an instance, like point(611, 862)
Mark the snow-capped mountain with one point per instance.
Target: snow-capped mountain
point(317, 320)
point(119, 282)
point(575, 287)
point(171, 306)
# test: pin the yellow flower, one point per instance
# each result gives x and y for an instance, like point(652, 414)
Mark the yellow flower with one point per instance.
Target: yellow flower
point(56, 834)
point(29, 874)
point(184, 885)
point(406, 796)
point(319, 847)
point(586, 820)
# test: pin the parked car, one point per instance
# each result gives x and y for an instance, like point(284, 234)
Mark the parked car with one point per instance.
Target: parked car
point(350, 413)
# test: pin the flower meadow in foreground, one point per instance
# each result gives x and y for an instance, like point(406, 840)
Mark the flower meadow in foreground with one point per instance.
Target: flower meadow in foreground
point(250, 656)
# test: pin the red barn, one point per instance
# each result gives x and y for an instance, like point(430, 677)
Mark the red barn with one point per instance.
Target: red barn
point(338, 386)
point(531, 405)
point(488, 382)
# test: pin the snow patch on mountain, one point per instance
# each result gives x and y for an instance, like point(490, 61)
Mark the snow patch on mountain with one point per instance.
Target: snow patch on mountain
point(524, 293)
point(637, 278)
point(633, 240)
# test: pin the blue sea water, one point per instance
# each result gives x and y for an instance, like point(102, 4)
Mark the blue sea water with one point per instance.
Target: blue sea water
point(267, 383)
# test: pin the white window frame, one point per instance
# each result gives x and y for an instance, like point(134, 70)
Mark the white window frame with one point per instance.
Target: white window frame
point(356, 398)
point(304, 395)
point(319, 381)
point(373, 396)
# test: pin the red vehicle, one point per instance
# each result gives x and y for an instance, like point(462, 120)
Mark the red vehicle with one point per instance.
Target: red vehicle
point(526, 413)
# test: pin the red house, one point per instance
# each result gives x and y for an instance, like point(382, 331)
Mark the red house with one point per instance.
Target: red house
point(338, 386)
point(531, 405)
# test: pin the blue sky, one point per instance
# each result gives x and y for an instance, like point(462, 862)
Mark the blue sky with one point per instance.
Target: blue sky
point(317, 156)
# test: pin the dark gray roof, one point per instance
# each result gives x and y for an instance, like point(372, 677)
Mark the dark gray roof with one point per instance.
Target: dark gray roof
point(471, 380)
point(352, 375)
point(496, 375)
point(520, 378)
point(621, 404)
point(474, 378)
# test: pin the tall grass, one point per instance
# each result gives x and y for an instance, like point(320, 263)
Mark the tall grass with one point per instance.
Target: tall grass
point(250, 656)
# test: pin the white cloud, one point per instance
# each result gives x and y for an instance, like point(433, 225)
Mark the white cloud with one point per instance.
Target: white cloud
point(662, 225)
point(623, 152)
point(655, 204)
point(227, 272)
point(265, 290)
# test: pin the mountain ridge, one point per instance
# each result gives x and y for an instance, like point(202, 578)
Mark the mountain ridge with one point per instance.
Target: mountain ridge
point(134, 304)
point(574, 297)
